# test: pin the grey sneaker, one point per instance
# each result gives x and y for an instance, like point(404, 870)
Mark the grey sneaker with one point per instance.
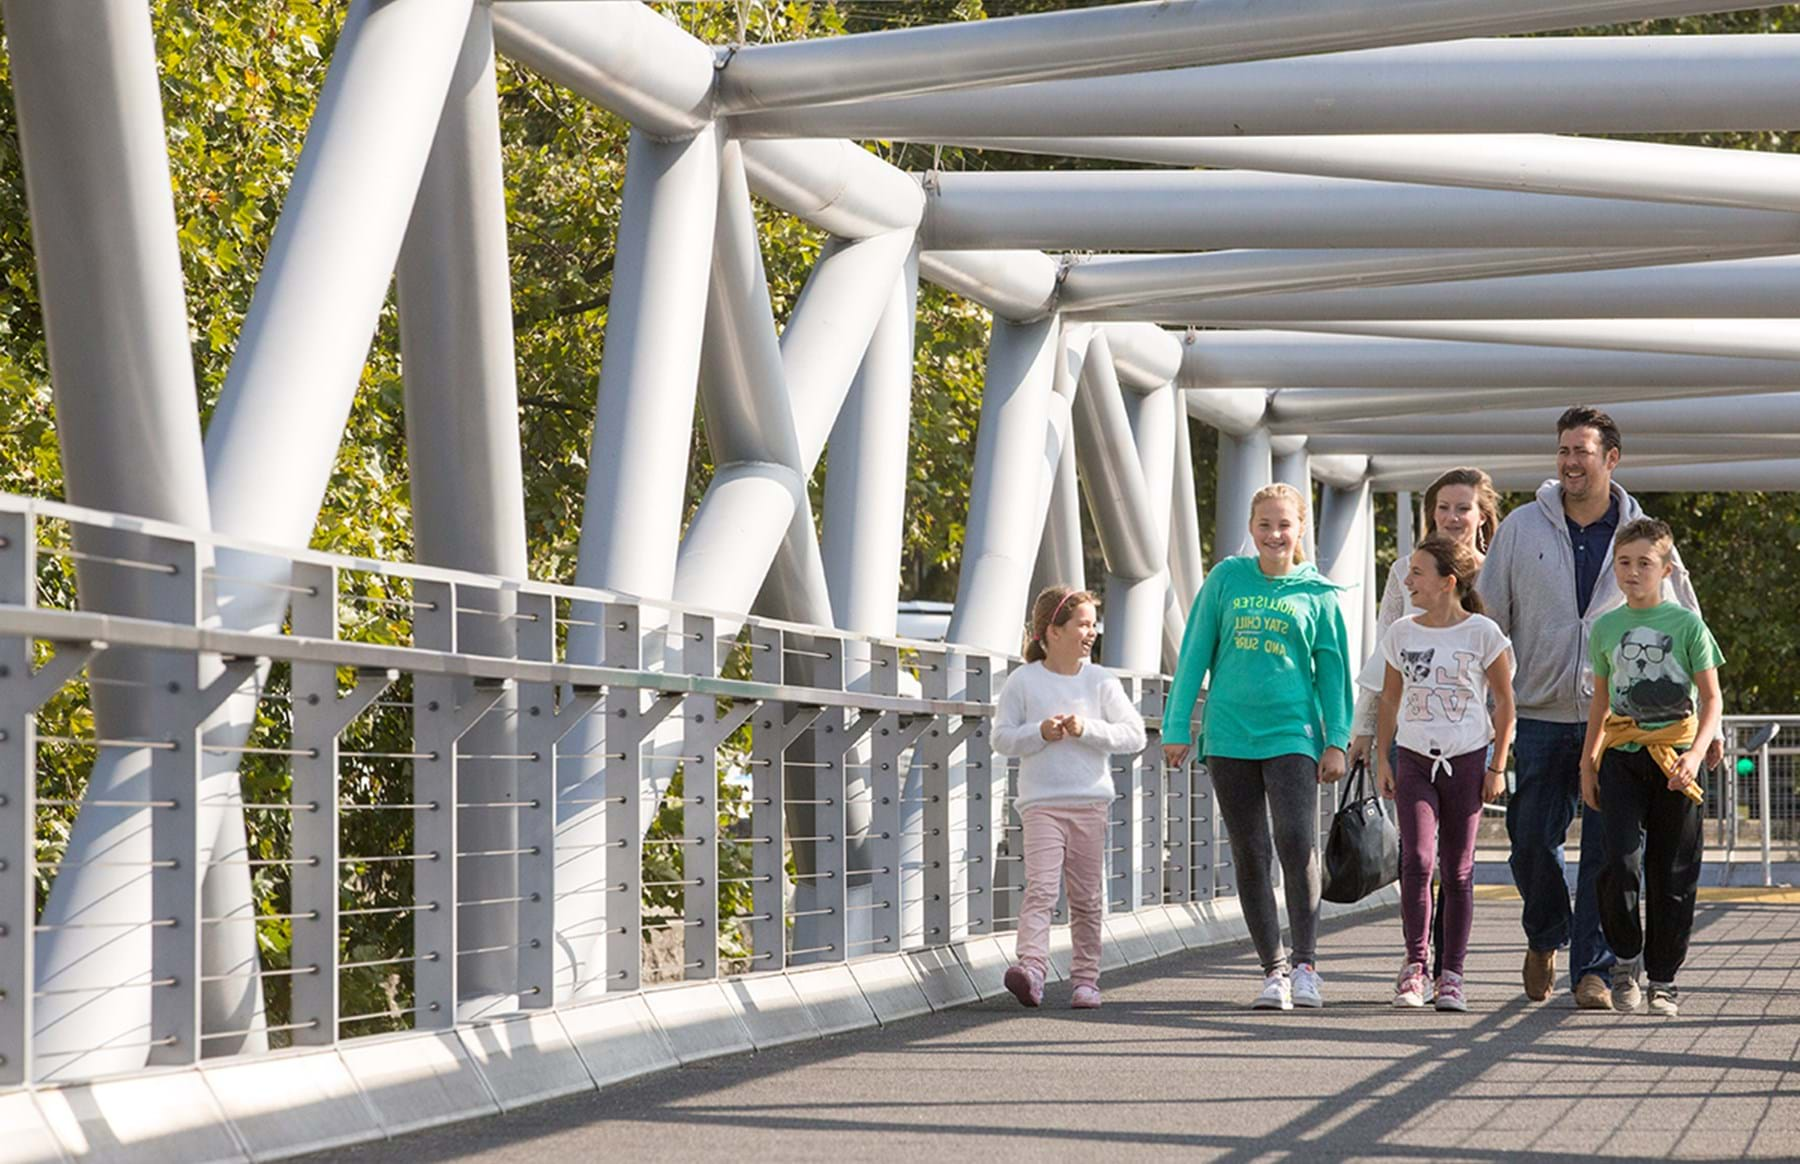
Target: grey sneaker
point(1625, 992)
point(1665, 999)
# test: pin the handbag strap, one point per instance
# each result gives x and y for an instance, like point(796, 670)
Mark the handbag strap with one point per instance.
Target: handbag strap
point(1356, 786)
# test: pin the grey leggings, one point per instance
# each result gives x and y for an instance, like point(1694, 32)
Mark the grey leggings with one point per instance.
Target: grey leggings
point(1283, 790)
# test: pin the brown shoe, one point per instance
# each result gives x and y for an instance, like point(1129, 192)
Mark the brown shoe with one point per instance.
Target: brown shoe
point(1540, 974)
point(1592, 993)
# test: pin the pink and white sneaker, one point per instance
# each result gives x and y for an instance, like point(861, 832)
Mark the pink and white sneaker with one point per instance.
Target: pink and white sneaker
point(1026, 984)
point(1086, 997)
point(1450, 992)
point(1409, 986)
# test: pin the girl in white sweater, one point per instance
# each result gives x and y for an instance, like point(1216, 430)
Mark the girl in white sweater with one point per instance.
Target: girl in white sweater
point(1065, 716)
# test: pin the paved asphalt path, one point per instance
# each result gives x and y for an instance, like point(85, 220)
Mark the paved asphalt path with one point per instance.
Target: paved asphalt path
point(1175, 1064)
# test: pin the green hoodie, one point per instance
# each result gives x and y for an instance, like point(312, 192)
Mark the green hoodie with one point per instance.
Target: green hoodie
point(1280, 672)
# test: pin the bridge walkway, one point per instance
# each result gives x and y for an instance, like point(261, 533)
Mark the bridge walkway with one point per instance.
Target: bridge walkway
point(1175, 1063)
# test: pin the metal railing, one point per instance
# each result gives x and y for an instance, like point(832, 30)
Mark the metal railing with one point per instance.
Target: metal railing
point(430, 831)
point(1751, 802)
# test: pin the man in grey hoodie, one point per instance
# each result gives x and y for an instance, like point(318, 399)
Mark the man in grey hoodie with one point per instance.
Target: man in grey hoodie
point(1546, 579)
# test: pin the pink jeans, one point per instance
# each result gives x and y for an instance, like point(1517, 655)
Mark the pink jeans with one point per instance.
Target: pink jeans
point(1064, 843)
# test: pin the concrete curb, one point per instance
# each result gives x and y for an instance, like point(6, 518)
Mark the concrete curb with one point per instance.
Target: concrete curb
point(270, 1107)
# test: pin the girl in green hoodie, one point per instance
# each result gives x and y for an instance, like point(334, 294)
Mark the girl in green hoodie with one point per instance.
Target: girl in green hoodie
point(1268, 629)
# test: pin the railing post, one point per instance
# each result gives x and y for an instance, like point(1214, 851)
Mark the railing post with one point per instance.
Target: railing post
point(1009, 837)
point(978, 789)
point(819, 899)
point(543, 724)
point(179, 700)
point(699, 840)
point(1152, 803)
point(18, 814)
point(932, 755)
point(884, 847)
point(777, 725)
point(624, 775)
point(1125, 834)
point(320, 716)
point(434, 793)
point(1764, 805)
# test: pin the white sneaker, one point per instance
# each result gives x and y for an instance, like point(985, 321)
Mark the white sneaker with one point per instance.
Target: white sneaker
point(1305, 989)
point(1275, 994)
point(1665, 999)
point(1409, 987)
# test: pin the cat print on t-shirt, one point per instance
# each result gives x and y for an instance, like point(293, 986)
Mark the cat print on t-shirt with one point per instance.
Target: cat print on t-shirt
point(1443, 683)
point(1433, 694)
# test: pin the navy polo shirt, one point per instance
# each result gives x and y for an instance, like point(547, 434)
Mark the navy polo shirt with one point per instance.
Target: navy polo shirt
point(1591, 543)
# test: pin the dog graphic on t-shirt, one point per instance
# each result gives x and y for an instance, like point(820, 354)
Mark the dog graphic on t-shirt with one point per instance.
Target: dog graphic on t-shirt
point(1648, 682)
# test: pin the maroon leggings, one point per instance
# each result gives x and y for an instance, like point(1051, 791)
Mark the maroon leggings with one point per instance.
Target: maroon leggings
point(1438, 819)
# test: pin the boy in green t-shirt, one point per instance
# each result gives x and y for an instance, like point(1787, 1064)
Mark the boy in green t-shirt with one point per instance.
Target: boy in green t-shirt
point(1655, 663)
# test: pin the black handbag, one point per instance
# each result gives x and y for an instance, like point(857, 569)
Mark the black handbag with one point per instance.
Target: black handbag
point(1362, 852)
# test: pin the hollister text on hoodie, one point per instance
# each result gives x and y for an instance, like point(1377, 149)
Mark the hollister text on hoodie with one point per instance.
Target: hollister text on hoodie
point(1274, 647)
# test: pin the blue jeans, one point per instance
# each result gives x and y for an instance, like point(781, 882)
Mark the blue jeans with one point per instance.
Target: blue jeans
point(1548, 759)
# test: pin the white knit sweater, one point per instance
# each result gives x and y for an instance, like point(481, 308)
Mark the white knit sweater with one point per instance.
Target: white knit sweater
point(1068, 771)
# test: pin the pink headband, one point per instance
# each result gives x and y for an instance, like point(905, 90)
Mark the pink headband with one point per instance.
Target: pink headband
point(1057, 611)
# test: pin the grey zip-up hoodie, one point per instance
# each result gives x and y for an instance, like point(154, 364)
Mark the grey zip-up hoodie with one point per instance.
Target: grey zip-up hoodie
point(1528, 586)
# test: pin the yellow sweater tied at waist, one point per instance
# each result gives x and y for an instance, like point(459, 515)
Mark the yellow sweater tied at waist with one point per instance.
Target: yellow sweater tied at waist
point(1659, 742)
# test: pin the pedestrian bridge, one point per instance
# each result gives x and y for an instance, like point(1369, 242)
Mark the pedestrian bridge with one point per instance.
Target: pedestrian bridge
point(300, 850)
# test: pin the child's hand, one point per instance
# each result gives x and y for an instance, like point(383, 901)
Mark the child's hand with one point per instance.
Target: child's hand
point(1360, 747)
point(1493, 786)
point(1331, 766)
point(1072, 724)
point(1384, 780)
point(1687, 771)
point(1590, 786)
point(1051, 729)
point(1175, 755)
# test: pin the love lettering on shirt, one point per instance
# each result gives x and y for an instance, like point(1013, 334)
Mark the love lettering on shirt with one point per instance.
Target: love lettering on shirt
point(1426, 684)
point(1261, 623)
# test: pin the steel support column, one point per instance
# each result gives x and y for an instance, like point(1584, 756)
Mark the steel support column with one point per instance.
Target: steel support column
point(468, 491)
point(1000, 543)
point(1244, 466)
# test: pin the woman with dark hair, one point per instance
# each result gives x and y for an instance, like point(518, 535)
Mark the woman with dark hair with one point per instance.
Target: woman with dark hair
point(1461, 505)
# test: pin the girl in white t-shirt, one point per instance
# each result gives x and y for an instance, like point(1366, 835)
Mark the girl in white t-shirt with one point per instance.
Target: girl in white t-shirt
point(1064, 716)
point(1442, 665)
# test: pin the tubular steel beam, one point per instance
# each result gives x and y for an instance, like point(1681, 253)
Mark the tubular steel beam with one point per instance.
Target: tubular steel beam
point(1749, 288)
point(1163, 210)
point(1746, 338)
point(1532, 162)
point(1713, 414)
point(1284, 359)
point(625, 57)
point(1534, 85)
point(1303, 410)
point(1117, 285)
point(1016, 285)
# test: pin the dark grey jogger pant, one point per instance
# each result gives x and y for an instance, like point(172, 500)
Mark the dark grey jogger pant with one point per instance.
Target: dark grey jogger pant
point(1278, 796)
